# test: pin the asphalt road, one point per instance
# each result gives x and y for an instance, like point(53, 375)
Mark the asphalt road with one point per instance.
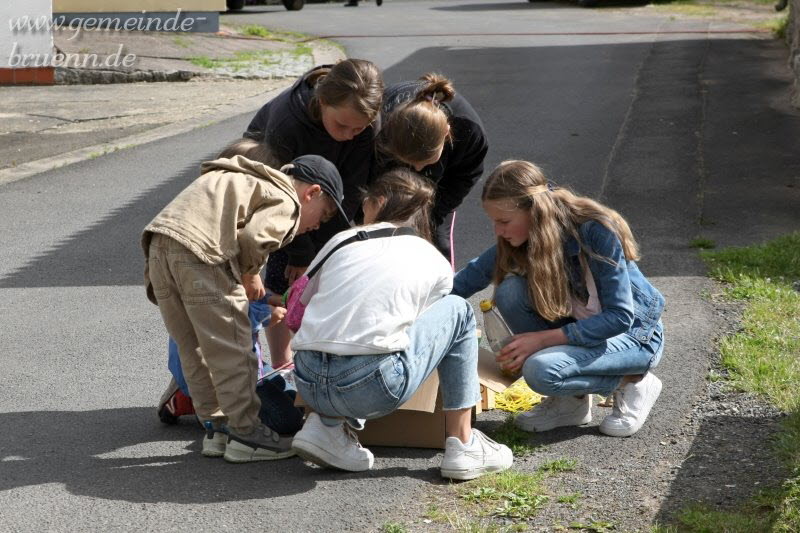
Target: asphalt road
point(685, 134)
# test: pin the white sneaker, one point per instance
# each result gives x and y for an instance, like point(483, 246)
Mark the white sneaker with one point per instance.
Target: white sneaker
point(632, 404)
point(556, 411)
point(481, 456)
point(334, 447)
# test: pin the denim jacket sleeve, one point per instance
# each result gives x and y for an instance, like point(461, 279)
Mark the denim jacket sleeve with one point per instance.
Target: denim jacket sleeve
point(613, 289)
point(477, 275)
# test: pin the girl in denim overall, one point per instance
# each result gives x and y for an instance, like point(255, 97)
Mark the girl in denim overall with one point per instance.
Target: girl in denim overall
point(585, 320)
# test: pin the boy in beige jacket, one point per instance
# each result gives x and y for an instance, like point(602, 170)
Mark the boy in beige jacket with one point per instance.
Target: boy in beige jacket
point(204, 253)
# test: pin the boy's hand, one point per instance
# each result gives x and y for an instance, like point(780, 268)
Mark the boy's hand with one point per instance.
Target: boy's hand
point(275, 300)
point(253, 287)
point(278, 313)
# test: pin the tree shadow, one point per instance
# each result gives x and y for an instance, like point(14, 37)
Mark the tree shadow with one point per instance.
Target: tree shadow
point(729, 462)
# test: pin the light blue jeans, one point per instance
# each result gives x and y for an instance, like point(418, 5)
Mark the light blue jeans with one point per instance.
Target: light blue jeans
point(574, 370)
point(358, 387)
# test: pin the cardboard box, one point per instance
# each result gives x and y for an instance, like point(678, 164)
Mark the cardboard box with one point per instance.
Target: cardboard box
point(419, 423)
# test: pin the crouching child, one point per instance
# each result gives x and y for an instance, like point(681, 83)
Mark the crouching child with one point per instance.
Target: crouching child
point(204, 252)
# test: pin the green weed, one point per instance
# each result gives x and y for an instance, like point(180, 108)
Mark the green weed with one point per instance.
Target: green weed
point(702, 243)
point(509, 494)
point(513, 437)
point(559, 465)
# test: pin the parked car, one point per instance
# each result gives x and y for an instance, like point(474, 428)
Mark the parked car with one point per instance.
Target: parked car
point(291, 5)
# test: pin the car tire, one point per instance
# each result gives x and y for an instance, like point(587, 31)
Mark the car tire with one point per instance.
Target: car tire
point(587, 3)
point(234, 5)
point(293, 5)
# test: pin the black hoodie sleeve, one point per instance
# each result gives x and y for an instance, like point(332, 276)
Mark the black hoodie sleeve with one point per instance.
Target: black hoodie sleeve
point(464, 168)
point(355, 170)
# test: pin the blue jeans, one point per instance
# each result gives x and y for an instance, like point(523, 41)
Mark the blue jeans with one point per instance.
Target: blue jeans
point(574, 370)
point(372, 386)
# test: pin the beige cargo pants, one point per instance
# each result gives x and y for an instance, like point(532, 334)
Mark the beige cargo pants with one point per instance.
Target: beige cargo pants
point(205, 310)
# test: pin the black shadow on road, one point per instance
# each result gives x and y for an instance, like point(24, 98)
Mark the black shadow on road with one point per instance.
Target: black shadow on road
point(535, 4)
point(502, 6)
point(729, 462)
point(682, 137)
point(113, 454)
point(108, 252)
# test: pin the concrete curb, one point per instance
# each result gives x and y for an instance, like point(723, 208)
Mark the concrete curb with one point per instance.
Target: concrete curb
point(321, 54)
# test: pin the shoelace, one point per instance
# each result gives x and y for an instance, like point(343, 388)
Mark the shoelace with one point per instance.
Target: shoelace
point(350, 434)
point(620, 409)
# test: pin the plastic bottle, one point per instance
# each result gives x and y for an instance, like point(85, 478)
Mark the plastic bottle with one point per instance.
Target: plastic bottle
point(496, 330)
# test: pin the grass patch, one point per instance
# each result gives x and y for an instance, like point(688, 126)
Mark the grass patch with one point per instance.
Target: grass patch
point(285, 36)
point(515, 438)
point(558, 466)
point(776, 25)
point(763, 357)
point(509, 494)
point(702, 243)
point(570, 499)
point(686, 8)
point(595, 526)
point(244, 60)
point(393, 527)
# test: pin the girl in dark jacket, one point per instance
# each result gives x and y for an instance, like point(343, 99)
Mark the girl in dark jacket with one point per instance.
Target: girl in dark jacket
point(330, 111)
point(426, 125)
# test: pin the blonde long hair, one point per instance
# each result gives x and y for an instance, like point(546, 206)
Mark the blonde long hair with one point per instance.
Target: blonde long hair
point(555, 214)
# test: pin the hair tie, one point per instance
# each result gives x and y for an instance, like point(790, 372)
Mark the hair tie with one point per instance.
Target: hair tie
point(551, 186)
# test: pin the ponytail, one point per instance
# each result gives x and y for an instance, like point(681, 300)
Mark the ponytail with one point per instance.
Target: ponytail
point(416, 131)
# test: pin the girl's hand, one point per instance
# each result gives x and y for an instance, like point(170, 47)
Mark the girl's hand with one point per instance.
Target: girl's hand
point(516, 352)
point(253, 287)
point(293, 272)
point(275, 300)
point(520, 347)
point(278, 314)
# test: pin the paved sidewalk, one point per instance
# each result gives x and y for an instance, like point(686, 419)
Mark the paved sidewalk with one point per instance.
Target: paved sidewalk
point(48, 127)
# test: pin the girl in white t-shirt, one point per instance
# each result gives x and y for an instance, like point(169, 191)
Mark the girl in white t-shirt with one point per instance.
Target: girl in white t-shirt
point(379, 320)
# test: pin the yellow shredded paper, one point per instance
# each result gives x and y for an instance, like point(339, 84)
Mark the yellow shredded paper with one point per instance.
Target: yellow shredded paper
point(517, 398)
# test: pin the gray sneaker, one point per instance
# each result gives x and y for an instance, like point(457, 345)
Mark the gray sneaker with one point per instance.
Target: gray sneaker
point(261, 444)
point(215, 440)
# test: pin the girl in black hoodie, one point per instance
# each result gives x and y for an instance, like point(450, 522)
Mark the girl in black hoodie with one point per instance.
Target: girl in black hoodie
point(329, 112)
point(427, 126)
